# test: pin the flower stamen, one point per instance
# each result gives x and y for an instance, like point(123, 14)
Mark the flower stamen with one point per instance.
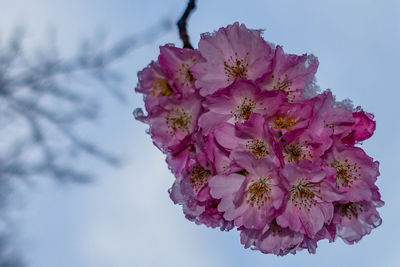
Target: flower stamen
point(284, 123)
point(351, 209)
point(304, 194)
point(244, 110)
point(187, 76)
point(258, 192)
point(235, 68)
point(284, 84)
point(258, 148)
point(198, 177)
point(346, 173)
point(296, 152)
point(179, 119)
point(161, 88)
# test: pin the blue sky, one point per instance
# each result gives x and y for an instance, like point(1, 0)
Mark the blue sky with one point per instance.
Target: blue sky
point(125, 218)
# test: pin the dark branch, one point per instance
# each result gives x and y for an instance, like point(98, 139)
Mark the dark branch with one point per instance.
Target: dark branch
point(182, 23)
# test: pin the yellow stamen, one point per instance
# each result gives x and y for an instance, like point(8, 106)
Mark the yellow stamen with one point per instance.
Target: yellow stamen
point(161, 87)
point(244, 110)
point(346, 173)
point(304, 194)
point(284, 84)
point(235, 68)
point(179, 119)
point(296, 152)
point(198, 177)
point(258, 192)
point(284, 123)
point(258, 148)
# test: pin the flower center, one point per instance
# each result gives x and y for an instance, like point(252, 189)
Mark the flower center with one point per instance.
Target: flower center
point(284, 84)
point(187, 76)
point(304, 194)
point(296, 152)
point(161, 87)
point(346, 173)
point(198, 177)
point(235, 68)
point(179, 119)
point(351, 209)
point(258, 192)
point(275, 228)
point(244, 110)
point(284, 123)
point(258, 148)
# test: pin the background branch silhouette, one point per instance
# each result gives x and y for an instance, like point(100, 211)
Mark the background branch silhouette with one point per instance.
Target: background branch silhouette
point(43, 99)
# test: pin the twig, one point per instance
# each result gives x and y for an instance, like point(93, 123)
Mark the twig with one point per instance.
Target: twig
point(182, 23)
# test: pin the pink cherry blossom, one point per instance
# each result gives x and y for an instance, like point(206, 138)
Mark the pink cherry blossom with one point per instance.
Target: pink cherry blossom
point(231, 53)
point(308, 205)
point(177, 161)
point(219, 156)
point(291, 116)
point(236, 103)
point(363, 128)
point(329, 120)
point(327, 232)
point(274, 239)
point(192, 192)
point(353, 172)
point(291, 73)
point(252, 136)
point(154, 85)
point(300, 145)
point(249, 200)
point(252, 145)
point(176, 63)
point(356, 219)
point(177, 120)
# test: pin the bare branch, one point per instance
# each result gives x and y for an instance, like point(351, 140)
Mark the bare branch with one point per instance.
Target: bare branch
point(182, 24)
point(44, 98)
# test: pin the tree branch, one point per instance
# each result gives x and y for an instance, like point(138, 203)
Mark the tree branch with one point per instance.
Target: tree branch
point(182, 23)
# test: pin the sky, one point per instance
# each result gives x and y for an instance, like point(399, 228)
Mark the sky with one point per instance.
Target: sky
point(125, 217)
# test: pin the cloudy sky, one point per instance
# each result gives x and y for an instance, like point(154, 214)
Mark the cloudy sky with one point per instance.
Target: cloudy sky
point(125, 218)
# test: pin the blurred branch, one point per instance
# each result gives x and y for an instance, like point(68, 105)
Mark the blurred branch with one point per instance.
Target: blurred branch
point(182, 24)
point(43, 100)
point(8, 256)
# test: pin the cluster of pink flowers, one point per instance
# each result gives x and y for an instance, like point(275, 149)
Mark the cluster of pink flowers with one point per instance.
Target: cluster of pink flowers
point(254, 146)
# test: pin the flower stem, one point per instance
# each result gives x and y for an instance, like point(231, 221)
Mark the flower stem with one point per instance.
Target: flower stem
point(182, 23)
